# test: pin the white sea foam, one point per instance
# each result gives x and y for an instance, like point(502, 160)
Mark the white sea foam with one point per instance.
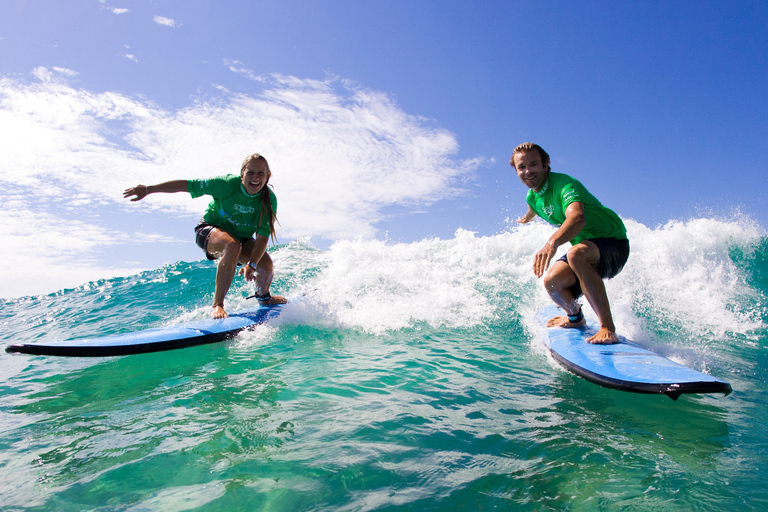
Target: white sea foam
point(681, 272)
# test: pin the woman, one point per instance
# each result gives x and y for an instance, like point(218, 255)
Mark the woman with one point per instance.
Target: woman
point(240, 207)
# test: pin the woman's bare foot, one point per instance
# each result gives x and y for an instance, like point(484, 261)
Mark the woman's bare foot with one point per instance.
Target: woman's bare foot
point(604, 337)
point(218, 312)
point(562, 321)
point(274, 299)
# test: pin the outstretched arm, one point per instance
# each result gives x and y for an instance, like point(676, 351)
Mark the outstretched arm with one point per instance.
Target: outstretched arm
point(139, 192)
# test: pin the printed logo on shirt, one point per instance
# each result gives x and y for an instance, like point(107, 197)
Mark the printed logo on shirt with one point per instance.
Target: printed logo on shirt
point(571, 195)
point(549, 210)
point(244, 209)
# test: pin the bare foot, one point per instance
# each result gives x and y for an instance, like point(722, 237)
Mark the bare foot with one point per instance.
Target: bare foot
point(604, 337)
point(218, 312)
point(274, 299)
point(562, 321)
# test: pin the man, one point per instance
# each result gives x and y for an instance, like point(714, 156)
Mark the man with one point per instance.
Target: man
point(599, 246)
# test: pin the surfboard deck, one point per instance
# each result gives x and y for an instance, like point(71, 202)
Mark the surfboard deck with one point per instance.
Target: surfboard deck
point(171, 337)
point(625, 366)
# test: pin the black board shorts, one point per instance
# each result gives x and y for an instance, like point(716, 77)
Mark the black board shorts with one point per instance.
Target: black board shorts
point(613, 256)
point(202, 232)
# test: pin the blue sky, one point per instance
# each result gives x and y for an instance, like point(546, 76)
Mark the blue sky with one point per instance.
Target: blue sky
point(381, 119)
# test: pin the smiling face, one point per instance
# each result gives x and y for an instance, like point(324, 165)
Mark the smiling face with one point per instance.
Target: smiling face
point(255, 175)
point(530, 168)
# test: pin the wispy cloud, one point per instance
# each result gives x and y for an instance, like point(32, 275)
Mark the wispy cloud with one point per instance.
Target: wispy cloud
point(118, 10)
point(50, 250)
point(162, 20)
point(340, 154)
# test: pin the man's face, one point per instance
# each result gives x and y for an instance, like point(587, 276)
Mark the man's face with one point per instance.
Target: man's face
point(530, 169)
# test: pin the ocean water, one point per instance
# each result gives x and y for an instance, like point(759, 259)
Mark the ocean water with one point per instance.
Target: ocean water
point(404, 377)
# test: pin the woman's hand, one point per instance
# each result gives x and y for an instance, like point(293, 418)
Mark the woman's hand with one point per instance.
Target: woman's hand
point(140, 191)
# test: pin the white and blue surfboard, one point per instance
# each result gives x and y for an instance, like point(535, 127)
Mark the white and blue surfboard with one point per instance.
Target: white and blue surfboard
point(170, 337)
point(625, 366)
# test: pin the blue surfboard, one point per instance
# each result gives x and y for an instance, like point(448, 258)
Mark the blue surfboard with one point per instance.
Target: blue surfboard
point(199, 332)
point(625, 366)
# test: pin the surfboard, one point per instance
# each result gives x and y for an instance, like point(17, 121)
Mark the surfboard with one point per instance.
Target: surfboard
point(190, 334)
point(625, 365)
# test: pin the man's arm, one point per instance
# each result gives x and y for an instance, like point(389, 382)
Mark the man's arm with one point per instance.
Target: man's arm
point(168, 187)
point(528, 217)
point(572, 226)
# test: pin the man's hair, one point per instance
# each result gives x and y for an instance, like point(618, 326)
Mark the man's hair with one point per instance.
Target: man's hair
point(530, 146)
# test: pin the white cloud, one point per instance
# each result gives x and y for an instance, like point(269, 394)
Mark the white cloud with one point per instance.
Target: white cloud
point(118, 10)
point(48, 248)
point(340, 154)
point(162, 20)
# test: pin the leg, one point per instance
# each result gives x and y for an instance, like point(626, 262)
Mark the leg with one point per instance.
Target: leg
point(264, 271)
point(583, 259)
point(558, 282)
point(221, 244)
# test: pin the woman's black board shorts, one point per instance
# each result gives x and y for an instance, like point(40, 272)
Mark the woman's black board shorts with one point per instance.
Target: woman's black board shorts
point(202, 232)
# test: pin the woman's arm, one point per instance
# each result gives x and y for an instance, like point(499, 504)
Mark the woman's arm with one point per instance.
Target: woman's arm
point(168, 187)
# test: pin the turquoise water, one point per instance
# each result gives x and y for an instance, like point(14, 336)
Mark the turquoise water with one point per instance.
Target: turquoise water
point(408, 377)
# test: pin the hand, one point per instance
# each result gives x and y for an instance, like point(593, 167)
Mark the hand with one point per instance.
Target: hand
point(528, 217)
point(248, 272)
point(140, 191)
point(543, 257)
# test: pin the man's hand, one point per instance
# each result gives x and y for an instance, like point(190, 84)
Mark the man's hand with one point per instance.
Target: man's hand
point(543, 257)
point(528, 217)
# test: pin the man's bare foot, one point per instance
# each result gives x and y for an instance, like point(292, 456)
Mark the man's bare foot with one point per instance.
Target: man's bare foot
point(218, 312)
point(562, 321)
point(604, 337)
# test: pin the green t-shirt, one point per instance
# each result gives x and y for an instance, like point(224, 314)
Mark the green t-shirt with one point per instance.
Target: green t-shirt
point(233, 209)
point(559, 191)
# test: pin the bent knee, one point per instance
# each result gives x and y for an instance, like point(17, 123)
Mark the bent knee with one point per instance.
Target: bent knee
point(583, 255)
point(232, 248)
point(558, 277)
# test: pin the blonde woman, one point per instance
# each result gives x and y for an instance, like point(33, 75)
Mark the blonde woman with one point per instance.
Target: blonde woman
point(242, 207)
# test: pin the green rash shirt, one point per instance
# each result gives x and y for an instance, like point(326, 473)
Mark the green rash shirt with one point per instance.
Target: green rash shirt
point(558, 192)
point(233, 209)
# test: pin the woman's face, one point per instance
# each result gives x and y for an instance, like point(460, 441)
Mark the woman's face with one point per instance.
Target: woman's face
point(255, 176)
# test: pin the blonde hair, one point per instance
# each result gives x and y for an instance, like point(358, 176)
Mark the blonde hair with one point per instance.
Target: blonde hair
point(266, 204)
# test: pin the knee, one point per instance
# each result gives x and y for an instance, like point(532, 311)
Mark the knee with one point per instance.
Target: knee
point(559, 277)
point(580, 259)
point(553, 280)
point(232, 249)
point(577, 255)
